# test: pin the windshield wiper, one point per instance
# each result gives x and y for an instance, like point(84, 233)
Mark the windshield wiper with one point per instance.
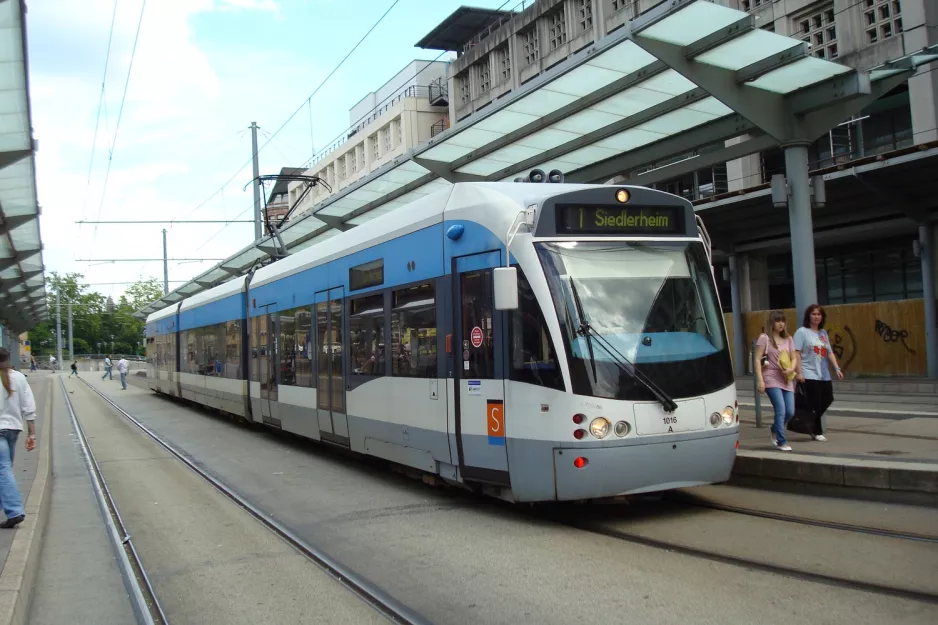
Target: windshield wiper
point(588, 332)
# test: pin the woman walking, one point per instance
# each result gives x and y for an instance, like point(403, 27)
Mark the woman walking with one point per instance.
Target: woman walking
point(16, 404)
point(814, 346)
point(777, 365)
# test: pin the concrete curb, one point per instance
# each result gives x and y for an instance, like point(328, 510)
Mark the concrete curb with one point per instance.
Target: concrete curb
point(833, 471)
point(22, 563)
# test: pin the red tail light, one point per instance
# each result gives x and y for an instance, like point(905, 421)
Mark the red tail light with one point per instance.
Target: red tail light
point(578, 418)
point(579, 463)
point(578, 434)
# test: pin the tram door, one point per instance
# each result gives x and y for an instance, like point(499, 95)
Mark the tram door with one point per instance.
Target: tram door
point(268, 360)
point(330, 366)
point(479, 343)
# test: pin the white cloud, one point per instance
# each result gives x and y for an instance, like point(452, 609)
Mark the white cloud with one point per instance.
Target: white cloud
point(181, 134)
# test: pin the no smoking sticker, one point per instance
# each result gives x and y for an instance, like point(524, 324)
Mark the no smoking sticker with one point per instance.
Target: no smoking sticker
point(476, 336)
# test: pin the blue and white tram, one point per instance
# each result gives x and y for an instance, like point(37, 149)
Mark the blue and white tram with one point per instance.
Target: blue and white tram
point(590, 362)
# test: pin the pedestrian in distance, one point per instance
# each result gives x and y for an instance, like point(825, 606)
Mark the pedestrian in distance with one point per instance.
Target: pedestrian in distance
point(777, 365)
point(74, 369)
point(16, 405)
point(52, 362)
point(122, 367)
point(814, 347)
point(108, 367)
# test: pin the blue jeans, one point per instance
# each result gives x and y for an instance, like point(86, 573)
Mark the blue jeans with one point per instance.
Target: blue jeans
point(124, 384)
point(10, 497)
point(784, 404)
point(107, 373)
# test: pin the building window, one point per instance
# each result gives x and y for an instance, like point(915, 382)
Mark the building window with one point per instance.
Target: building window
point(340, 168)
point(413, 332)
point(748, 5)
point(586, 15)
point(375, 150)
point(818, 30)
point(881, 19)
point(529, 46)
point(353, 159)
point(386, 134)
point(503, 57)
point(464, 92)
point(366, 335)
point(618, 5)
point(483, 75)
point(400, 131)
point(557, 29)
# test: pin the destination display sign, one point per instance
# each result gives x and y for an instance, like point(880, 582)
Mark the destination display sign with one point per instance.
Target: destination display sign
point(619, 220)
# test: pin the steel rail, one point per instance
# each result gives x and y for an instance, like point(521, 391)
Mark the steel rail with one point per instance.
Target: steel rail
point(366, 590)
point(117, 532)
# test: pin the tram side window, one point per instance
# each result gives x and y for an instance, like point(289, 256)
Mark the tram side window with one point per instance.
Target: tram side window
point(366, 335)
point(303, 320)
point(533, 359)
point(190, 340)
point(413, 332)
point(233, 349)
point(254, 330)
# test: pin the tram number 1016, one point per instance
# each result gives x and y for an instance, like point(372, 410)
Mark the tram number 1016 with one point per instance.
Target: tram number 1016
point(670, 420)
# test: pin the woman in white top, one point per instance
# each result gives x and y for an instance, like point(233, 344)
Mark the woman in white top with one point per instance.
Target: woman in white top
point(815, 346)
point(16, 404)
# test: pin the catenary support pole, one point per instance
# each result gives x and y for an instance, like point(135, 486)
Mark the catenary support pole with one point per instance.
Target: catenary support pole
point(926, 254)
point(58, 327)
point(802, 228)
point(257, 184)
point(739, 350)
point(71, 343)
point(165, 266)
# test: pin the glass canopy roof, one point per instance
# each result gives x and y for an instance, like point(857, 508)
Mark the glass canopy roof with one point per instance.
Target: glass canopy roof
point(684, 74)
point(22, 282)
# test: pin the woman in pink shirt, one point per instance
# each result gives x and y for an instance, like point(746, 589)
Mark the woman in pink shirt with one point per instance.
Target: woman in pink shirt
point(777, 364)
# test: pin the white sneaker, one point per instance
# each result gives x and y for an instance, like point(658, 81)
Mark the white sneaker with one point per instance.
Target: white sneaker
point(784, 447)
point(774, 439)
point(821, 438)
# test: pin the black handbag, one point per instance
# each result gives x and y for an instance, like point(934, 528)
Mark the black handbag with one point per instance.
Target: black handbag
point(803, 421)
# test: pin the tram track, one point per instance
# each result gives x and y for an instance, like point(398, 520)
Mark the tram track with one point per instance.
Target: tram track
point(368, 592)
point(689, 500)
point(145, 603)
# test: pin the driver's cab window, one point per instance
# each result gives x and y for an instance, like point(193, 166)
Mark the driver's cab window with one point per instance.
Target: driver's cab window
point(533, 358)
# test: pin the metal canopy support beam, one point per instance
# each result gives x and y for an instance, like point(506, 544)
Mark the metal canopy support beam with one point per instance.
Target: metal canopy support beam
point(364, 208)
point(717, 38)
point(335, 222)
point(444, 171)
point(772, 62)
point(764, 109)
point(720, 130)
point(12, 156)
point(926, 252)
point(802, 229)
point(234, 271)
point(11, 223)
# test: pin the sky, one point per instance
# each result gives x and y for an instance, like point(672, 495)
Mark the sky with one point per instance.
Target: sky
point(203, 70)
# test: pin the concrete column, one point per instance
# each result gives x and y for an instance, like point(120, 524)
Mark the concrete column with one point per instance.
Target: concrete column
point(918, 21)
point(745, 284)
point(802, 229)
point(928, 293)
point(739, 350)
point(758, 283)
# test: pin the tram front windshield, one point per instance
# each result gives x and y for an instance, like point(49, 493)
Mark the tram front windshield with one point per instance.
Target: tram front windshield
point(653, 302)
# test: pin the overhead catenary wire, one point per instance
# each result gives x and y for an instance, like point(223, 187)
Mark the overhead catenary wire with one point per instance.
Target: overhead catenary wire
point(120, 113)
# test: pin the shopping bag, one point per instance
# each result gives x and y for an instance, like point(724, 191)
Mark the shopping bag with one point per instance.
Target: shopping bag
point(803, 421)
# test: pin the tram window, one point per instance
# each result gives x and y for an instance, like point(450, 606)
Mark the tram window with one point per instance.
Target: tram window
point(190, 340)
point(233, 349)
point(413, 332)
point(475, 289)
point(366, 335)
point(533, 359)
point(303, 319)
point(254, 332)
point(288, 351)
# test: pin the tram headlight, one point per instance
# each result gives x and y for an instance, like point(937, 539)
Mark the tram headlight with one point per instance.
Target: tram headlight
point(599, 427)
point(622, 428)
point(729, 415)
point(715, 419)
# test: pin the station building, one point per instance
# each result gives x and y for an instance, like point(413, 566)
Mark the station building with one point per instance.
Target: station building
point(878, 167)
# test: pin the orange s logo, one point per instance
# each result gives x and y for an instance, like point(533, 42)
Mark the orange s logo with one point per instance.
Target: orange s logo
point(495, 420)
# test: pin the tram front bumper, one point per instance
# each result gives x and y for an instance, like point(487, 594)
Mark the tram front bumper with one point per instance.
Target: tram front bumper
point(642, 468)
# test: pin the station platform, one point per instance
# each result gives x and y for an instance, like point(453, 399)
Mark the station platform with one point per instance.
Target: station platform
point(882, 437)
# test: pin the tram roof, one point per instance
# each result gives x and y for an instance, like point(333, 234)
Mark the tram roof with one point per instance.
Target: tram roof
point(687, 74)
point(23, 296)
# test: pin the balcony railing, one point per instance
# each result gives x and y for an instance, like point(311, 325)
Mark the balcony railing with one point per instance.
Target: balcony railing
point(439, 127)
point(438, 92)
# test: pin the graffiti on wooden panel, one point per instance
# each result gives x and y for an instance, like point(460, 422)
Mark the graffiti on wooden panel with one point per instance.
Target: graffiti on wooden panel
point(885, 332)
point(843, 344)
